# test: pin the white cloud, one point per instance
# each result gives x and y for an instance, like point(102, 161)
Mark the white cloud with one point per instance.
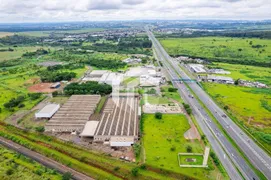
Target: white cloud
point(93, 10)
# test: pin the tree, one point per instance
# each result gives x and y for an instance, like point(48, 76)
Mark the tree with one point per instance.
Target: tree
point(236, 82)
point(55, 93)
point(189, 149)
point(9, 172)
point(172, 89)
point(158, 115)
point(134, 171)
point(67, 176)
point(226, 107)
point(40, 129)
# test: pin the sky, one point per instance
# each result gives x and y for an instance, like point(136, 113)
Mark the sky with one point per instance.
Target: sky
point(102, 10)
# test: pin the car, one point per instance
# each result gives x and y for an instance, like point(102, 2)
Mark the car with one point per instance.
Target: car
point(224, 115)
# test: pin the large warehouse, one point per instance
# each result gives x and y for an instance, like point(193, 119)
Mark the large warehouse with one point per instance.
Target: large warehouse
point(48, 111)
point(74, 114)
point(118, 123)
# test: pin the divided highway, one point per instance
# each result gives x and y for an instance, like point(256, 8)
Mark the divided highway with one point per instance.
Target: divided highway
point(227, 154)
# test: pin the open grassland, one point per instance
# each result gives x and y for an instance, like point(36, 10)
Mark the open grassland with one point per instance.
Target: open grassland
point(175, 96)
point(251, 107)
point(94, 164)
point(4, 34)
point(35, 33)
point(221, 48)
point(245, 72)
point(17, 166)
point(17, 53)
point(164, 139)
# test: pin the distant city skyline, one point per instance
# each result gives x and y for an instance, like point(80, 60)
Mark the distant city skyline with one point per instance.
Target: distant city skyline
point(102, 10)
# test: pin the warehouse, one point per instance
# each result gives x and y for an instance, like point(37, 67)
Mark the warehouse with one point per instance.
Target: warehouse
point(197, 68)
point(48, 111)
point(74, 114)
point(118, 123)
point(95, 75)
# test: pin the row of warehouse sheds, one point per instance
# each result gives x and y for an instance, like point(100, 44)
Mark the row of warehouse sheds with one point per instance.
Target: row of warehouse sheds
point(116, 125)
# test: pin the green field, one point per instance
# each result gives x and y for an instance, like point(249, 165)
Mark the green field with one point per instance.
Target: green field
point(172, 95)
point(17, 53)
point(35, 33)
point(184, 159)
point(245, 72)
point(17, 166)
point(250, 106)
point(164, 139)
point(220, 48)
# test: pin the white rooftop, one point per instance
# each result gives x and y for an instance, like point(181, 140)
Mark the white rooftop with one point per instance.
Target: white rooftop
point(49, 108)
point(98, 72)
point(90, 128)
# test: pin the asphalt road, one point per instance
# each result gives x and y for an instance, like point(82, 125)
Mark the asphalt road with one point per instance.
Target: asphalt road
point(43, 159)
point(227, 154)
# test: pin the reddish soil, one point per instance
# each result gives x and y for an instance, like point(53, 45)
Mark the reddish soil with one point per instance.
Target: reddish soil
point(42, 88)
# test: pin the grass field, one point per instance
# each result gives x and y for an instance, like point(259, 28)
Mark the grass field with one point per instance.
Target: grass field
point(250, 106)
point(17, 166)
point(35, 33)
point(164, 139)
point(223, 48)
point(18, 52)
point(172, 95)
point(250, 73)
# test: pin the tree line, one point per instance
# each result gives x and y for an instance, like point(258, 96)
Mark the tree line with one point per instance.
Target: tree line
point(47, 76)
point(90, 87)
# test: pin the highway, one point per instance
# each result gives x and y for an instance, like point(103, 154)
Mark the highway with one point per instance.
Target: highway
point(43, 159)
point(225, 151)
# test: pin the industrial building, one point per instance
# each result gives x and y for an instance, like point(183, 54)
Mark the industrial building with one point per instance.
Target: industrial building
point(118, 123)
point(197, 68)
point(74, 114)
point(95, 75)
point(113, 79)
point(48, 111)
point(220, 79)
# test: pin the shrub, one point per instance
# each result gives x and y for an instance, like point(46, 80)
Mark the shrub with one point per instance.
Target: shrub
point(55, 93)
point(134, 171)
point(40, 129)
point(189, 149)
point(158, 115)
point(117, 168)
point(137, 149)
point(67, 176)
point(21, 105)
point(173, 148)
point(143, 166)
point(172, 89)
point(9, 172)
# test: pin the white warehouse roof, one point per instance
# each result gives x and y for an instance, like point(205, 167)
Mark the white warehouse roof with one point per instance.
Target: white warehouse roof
point(48, 111)
point(90, 128)
point(121, 141)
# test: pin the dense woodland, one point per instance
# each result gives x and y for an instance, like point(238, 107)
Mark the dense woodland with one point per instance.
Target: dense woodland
point(90, 87)
point(47, 76)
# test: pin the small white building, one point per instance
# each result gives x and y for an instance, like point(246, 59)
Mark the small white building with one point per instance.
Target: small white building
point(48, 111)
point(146, 80)
point(120, 141)
point(197, 68)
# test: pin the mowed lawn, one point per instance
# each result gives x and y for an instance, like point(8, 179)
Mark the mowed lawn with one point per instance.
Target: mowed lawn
point(250, 73)
point(164, 139)
point(220, 48)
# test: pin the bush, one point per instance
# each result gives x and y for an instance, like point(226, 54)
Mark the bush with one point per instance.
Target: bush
point(137, 149)
point(172, 89)
point(143, 166)
point(216, 161)
point(158, 115)
point(9, 172)
point(189, 149)
point(67, 176)
point(55, 93)
point(117, 168)
point(134, 171)
point(34, 96)
point(187, 108)
point(21, 105)
point(40, 129)
point(173, 148)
